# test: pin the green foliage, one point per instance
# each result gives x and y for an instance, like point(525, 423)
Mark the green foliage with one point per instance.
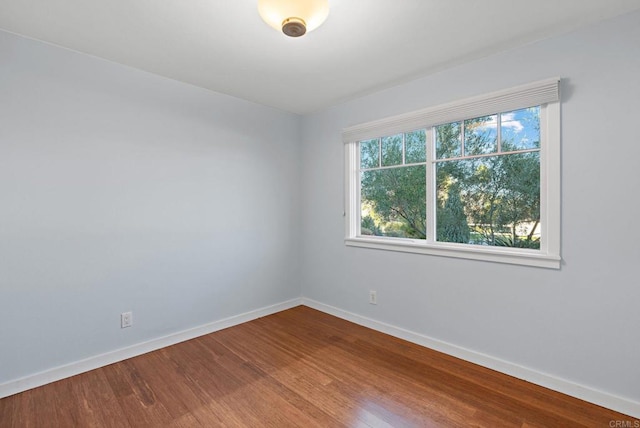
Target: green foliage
point(485, 200)
point(368, 226)
point(391, 150)
point(398, 195)
point(502, 192)
point(451, 218)
point(508, 241)
point(448, 143)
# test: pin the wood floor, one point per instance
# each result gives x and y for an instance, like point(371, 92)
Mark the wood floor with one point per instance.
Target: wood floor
point(297, 368)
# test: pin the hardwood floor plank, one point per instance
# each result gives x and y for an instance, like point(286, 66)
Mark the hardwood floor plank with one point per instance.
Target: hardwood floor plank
point(186, 421)
point(297, 368)
point(140, 405)
point(355, 380)
point(7, 412)
point(351, 367)
point(302, 411)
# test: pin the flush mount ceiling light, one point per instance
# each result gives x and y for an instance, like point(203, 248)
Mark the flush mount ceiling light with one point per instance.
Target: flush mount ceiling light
point(294, 17)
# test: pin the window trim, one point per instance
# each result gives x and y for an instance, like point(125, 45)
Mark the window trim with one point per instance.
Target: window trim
point(544, 93)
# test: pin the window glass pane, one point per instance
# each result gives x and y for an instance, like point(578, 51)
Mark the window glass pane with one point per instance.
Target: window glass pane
point(392, 150)
point(369, 154)
point(490, 200)
point(481, 135)
point(448, 141)
point(415, 146)
point(520, 129)
point(394, 202)
point(452, 224)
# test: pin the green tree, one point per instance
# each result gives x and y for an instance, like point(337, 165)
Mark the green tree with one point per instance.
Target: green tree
point(368, 226)
point(521, 201)
point(451, 218)
point(503, 193)
point(398, 195)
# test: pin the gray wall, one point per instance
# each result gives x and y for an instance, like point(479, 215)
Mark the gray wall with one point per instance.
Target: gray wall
point(121, 190)
point(580, 323)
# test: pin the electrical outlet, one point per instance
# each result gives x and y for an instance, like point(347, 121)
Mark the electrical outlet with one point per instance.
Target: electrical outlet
point(373, 297)
point(126, 319)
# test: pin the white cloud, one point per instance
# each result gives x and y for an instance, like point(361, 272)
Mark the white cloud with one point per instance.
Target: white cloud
point(508, 121)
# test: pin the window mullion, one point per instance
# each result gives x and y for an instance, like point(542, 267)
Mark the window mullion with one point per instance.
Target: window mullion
point(431, 186)
point(463, 151)
point(499, 131)
point(404, 148)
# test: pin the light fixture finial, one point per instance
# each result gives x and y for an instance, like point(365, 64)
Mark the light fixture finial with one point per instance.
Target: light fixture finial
point(294, 27)
point(294, 17)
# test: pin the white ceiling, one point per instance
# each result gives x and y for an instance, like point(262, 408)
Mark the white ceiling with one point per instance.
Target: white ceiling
point(365, 45)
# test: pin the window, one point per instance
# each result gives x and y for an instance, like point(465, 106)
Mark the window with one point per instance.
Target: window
point(476, 179)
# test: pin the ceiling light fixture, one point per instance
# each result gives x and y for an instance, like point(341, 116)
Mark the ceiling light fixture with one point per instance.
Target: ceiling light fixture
point(294, 18)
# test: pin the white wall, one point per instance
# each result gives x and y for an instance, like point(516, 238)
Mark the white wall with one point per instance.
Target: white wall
point(580, 323)
point(121, 190)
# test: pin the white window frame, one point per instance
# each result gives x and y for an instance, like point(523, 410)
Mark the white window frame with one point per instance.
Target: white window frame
point(544, 93)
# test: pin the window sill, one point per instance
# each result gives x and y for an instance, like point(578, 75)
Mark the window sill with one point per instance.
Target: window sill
point(492, 254)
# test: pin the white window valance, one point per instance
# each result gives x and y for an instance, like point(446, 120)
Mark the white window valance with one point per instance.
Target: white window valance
point(529, 95)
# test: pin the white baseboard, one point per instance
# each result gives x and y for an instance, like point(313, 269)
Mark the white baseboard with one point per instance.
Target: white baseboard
point(604, 399)
point(57, 373)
